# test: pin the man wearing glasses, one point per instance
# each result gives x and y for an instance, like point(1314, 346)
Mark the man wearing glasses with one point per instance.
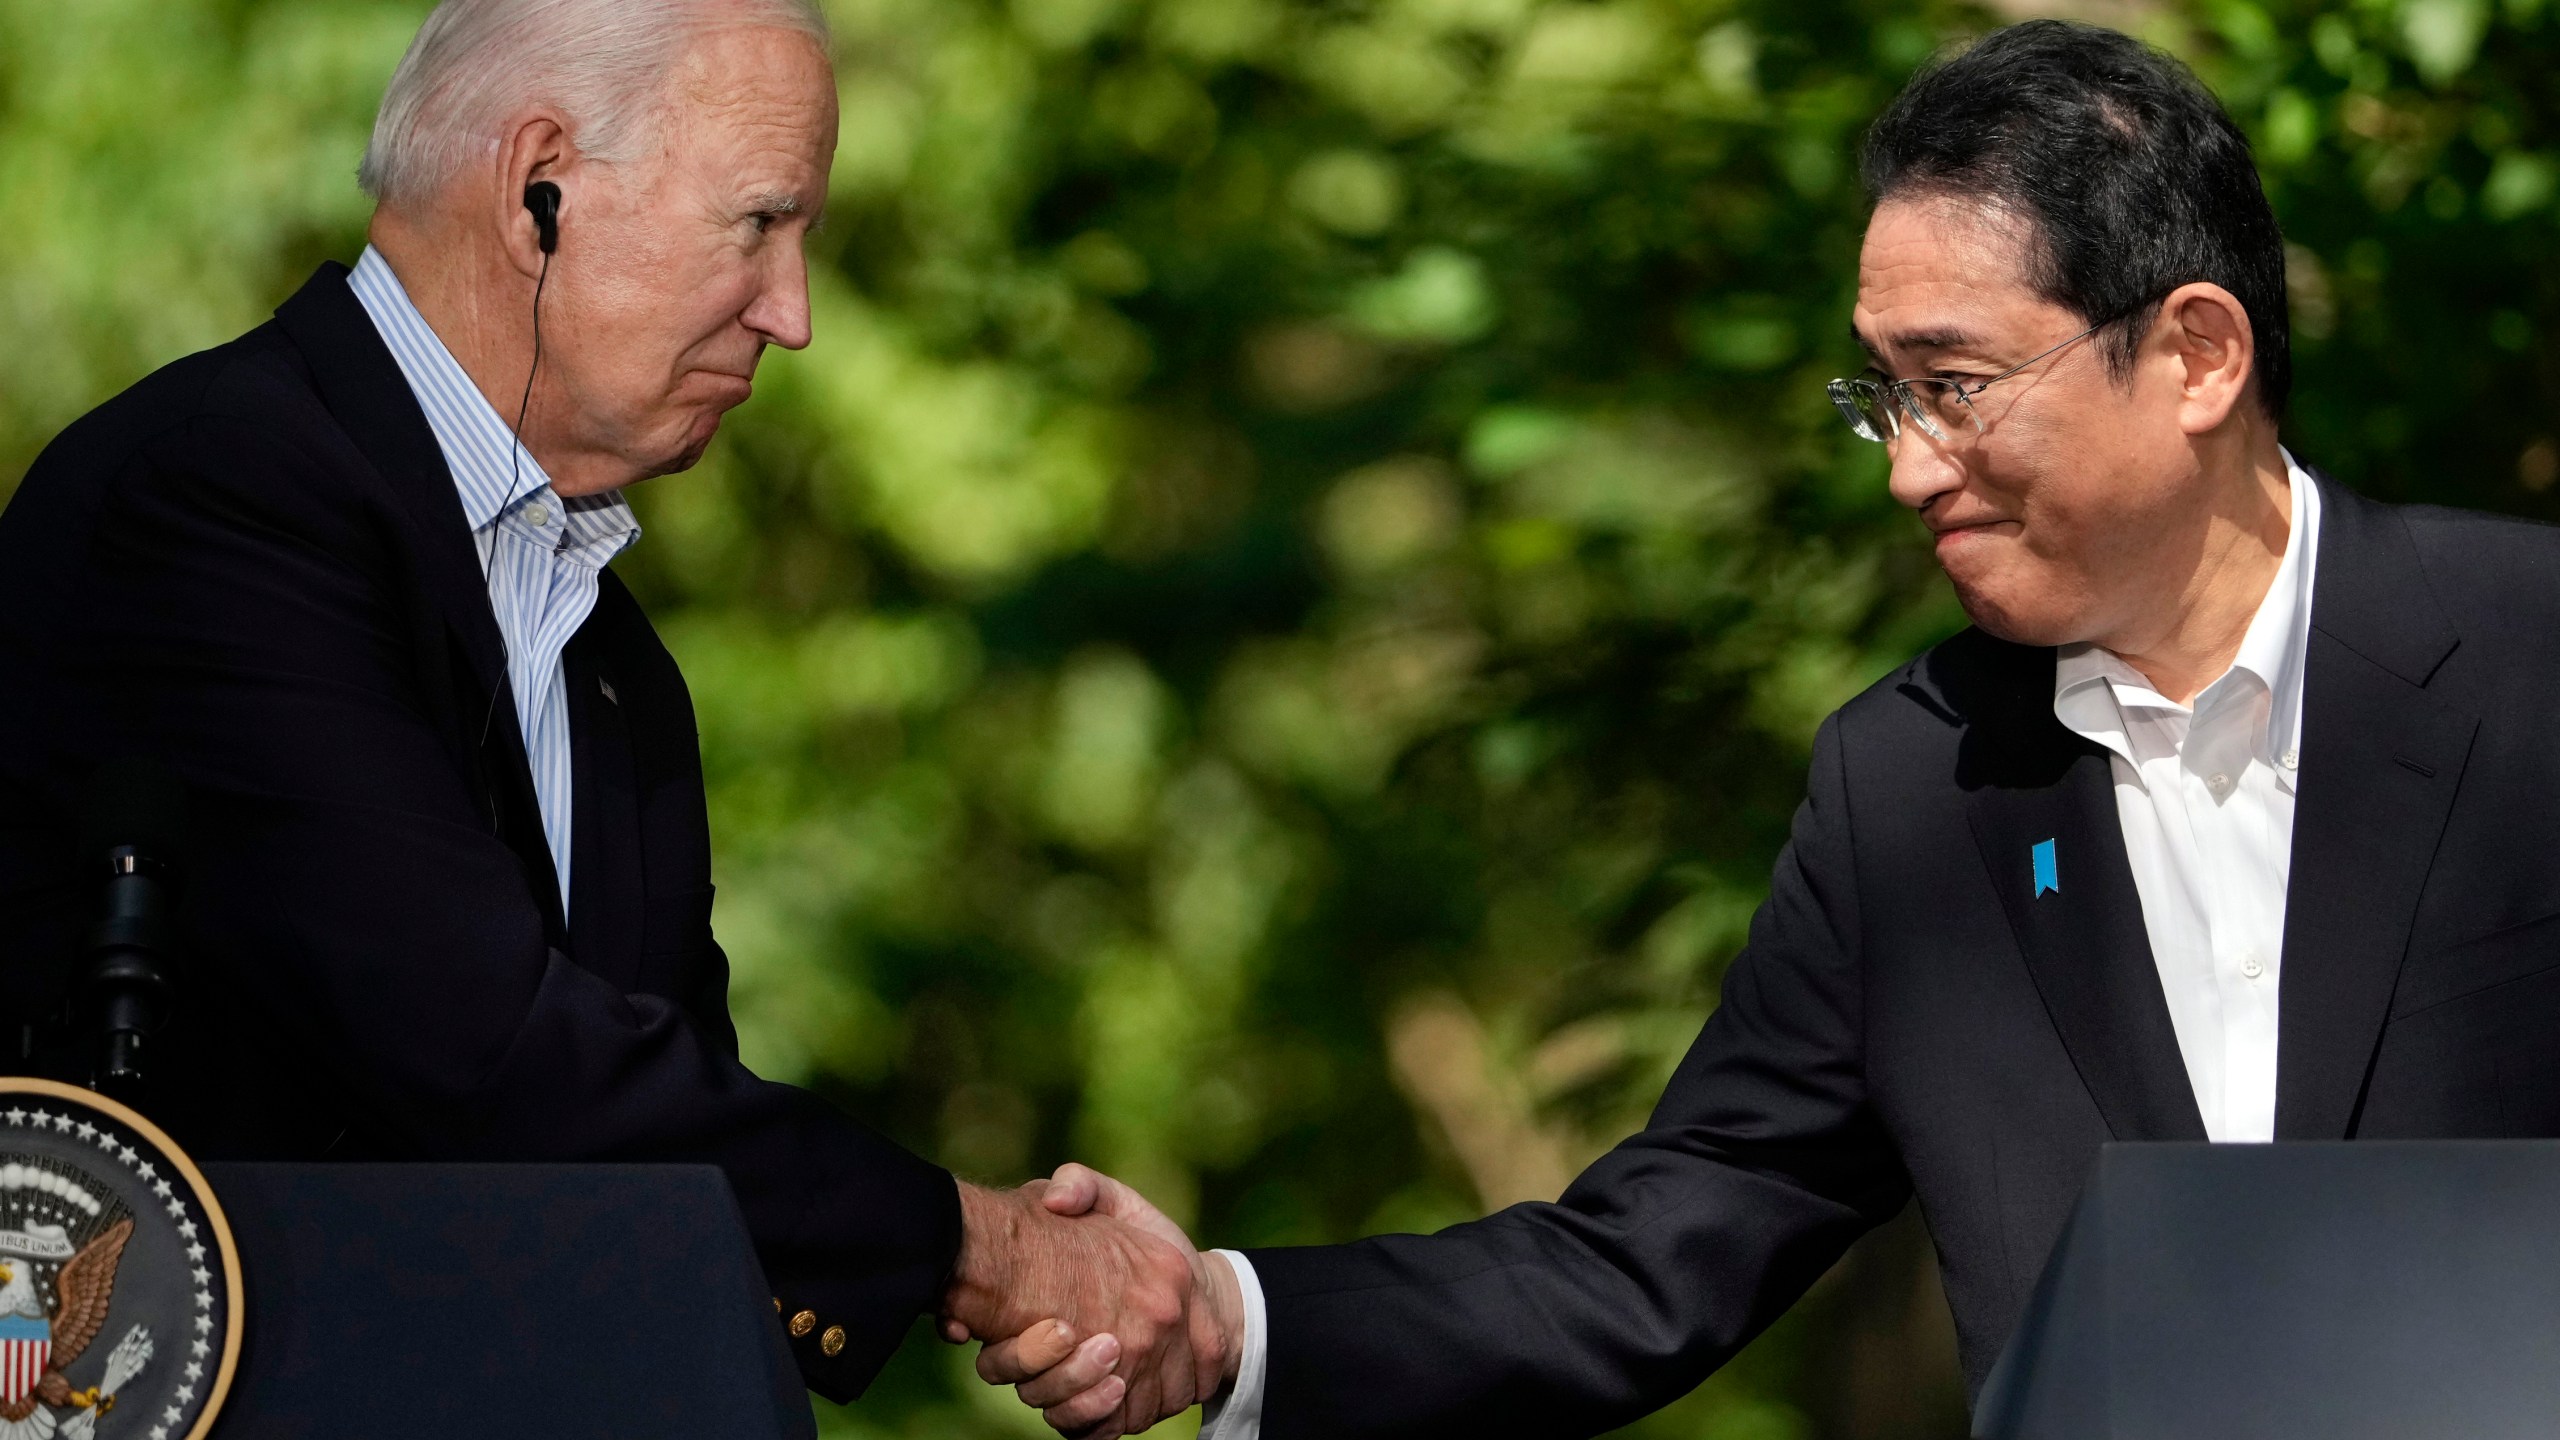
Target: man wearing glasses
point(2231, 820)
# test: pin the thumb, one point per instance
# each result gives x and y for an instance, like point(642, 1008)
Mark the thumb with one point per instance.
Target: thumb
point(1074, 1190)
point(1091, 1190)
point(1033, 1352)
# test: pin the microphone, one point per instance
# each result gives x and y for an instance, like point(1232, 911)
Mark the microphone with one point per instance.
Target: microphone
point(134, 819)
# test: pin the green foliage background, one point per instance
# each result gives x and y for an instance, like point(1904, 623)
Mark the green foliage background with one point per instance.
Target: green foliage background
point(1269, 645)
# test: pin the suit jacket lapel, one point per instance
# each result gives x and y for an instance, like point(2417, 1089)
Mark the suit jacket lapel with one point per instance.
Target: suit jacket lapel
point(2381, 761)
point(605, 923)
point(363, 387)
point(2031, 783)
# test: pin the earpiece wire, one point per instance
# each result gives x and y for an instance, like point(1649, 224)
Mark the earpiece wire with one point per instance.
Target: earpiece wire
point(515, 466)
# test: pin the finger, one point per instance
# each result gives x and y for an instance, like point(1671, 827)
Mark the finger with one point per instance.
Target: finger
point(954, 1332)
point(1146, 1399)
point(1090, 1365)
point(1073, 1190)
point(1091, 1411)
point(1009, 1362)
point(1107, 1428)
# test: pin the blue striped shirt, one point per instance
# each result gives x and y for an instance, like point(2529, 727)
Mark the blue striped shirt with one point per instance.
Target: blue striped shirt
point(542, 554)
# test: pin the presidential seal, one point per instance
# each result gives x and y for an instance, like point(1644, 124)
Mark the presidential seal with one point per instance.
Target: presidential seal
point(119, 1285)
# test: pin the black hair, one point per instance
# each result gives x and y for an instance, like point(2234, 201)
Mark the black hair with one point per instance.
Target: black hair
point(2133, 176)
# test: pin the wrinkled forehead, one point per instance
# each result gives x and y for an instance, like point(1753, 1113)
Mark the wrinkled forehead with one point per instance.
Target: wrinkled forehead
point(756, 87)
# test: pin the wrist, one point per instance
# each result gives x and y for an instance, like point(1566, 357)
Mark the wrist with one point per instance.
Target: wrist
point(1224, 1297)
point(990, 1239)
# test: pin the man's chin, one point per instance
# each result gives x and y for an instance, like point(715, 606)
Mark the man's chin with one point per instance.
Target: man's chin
point(689, 451)
point(2002, 613)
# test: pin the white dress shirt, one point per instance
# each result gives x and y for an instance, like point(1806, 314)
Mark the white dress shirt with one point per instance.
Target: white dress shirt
point(543, 557)
point(2205, 795)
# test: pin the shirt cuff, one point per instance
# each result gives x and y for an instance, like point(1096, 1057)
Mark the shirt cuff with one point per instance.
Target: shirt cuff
point(1237, 1415)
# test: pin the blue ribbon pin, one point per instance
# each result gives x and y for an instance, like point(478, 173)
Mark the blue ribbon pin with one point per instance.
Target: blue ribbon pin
point(2046, 878)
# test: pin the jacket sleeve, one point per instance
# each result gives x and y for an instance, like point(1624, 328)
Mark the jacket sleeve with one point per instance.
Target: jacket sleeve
point(242, 628)
point(1760, 1166)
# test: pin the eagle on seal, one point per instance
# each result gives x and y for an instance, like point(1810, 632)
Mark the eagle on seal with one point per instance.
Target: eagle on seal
point(81, 1291)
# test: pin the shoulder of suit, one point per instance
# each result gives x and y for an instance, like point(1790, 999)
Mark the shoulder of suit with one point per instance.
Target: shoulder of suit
point(256, 383)
point(2441, 530)
point(2489, 572)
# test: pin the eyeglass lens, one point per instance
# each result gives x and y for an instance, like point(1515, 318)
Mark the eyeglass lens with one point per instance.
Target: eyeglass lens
point(1877, 409)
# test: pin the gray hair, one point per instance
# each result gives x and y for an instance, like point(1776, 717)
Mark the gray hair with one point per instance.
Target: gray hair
point(602, 63)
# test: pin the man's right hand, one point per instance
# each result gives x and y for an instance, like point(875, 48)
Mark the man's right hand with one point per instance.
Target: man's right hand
point(1070, 1392)
point(1121, 1295)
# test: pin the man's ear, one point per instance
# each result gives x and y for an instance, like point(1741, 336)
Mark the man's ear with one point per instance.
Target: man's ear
point(2204, 331)
point(534, 146)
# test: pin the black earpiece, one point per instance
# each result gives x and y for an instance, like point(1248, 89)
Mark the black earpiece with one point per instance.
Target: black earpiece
point(543, 199)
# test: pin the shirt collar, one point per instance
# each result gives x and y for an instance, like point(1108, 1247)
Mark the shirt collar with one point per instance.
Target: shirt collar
point(479, 445)
point(2279, 638)
point(2091, 685)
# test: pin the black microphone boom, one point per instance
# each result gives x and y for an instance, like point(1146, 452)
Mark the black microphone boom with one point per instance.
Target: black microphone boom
point(136, 814)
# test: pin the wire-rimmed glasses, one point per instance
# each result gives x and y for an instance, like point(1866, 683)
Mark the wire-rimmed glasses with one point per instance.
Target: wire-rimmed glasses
point(1875, 404)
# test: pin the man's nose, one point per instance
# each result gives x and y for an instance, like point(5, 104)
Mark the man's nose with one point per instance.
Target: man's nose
point(1922, 470)
point(780, 311)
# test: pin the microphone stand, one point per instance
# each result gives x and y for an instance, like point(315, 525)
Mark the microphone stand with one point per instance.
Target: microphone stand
point(126, 983)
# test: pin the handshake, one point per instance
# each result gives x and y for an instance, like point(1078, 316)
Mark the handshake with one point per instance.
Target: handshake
point(1095, 1307)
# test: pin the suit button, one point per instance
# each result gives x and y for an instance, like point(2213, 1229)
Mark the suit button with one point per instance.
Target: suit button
point(832, 1343)
point(804, 1322)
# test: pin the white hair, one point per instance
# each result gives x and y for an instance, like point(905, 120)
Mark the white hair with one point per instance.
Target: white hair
point(602, 63)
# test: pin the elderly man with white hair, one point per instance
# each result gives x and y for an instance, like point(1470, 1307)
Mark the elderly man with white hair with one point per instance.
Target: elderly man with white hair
point(446, 889)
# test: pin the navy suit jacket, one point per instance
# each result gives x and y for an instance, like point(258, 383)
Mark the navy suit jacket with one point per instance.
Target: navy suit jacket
point(252, 568)
point(1910, 1017)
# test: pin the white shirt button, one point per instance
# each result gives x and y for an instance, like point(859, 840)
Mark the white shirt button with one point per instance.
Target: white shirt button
point(2219, 784)
point(537, 514)
point(2251, 965)
point(2291, 760)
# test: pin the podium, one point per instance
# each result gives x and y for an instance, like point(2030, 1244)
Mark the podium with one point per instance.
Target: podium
point(497, 1301)
point(2346, 1291)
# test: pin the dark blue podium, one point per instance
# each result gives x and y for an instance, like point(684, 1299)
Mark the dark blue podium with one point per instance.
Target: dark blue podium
point(2361, 1291)
point(495, 1301)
